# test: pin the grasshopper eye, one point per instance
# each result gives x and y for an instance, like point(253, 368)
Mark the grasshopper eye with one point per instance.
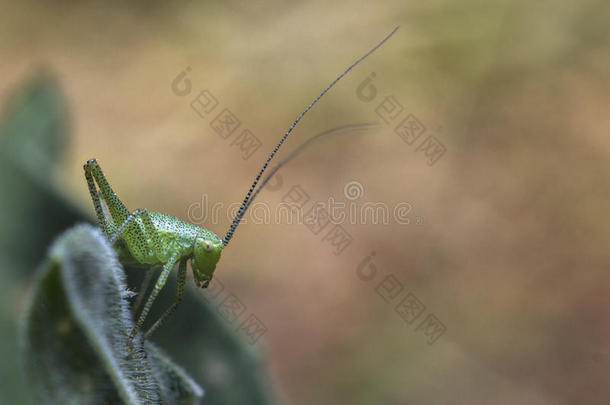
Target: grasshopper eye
point(207, 246)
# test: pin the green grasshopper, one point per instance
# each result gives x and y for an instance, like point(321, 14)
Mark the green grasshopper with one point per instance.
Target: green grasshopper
point(154, 239)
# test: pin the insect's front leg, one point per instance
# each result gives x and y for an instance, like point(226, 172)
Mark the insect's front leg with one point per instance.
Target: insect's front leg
point(179, 295)
point(167, 268)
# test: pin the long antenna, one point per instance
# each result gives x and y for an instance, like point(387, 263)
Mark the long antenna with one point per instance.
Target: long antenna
point(244, 204)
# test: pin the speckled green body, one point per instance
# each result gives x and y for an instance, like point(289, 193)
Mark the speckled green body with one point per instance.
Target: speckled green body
point(175, 236)
point(153, 239)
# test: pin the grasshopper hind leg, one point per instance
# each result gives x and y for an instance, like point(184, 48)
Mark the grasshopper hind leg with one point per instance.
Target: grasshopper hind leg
point(105, 221)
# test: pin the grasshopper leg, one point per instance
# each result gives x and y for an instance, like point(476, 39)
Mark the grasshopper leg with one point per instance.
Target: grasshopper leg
point(104, 221)
point(172, 308)
point(118, 211)
point(167, 268)
point(150, 229)
point(130, 218)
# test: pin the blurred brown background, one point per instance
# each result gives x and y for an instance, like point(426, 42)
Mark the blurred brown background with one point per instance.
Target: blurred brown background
point(507, 243)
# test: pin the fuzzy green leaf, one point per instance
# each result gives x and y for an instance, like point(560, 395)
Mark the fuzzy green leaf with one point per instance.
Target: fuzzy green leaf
point(76, 332)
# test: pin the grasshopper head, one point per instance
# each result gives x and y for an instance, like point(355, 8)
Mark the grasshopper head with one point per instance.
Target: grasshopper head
point(206, 253)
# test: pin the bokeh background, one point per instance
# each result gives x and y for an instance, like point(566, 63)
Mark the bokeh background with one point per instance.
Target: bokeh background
point(507, 242)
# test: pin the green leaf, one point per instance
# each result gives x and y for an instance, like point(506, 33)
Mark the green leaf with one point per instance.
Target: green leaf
point(75, 334)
